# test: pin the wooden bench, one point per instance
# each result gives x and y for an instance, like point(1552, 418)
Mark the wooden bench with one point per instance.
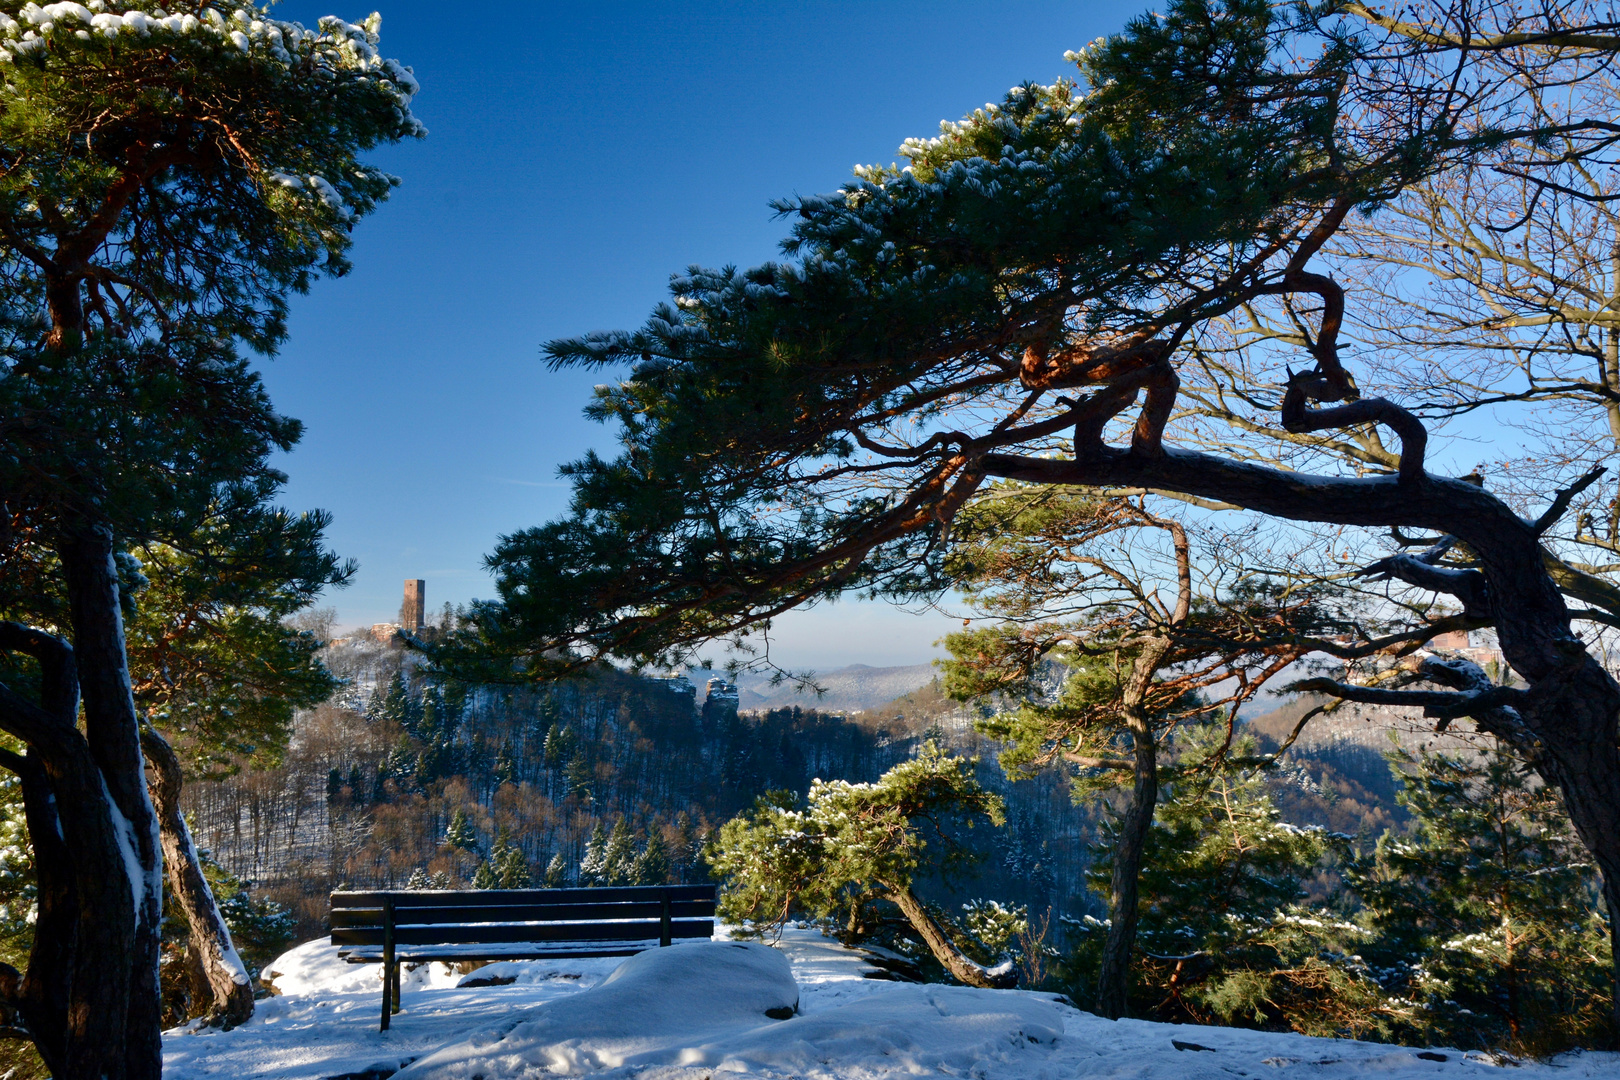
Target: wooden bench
point(397, 925)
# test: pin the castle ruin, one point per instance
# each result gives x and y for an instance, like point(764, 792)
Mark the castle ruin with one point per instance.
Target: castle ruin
point(413, 611)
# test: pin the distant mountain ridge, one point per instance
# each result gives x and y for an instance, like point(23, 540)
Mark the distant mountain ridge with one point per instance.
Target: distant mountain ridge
point(855, 688)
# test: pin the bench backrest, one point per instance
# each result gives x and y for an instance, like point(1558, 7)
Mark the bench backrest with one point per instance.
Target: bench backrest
point(496, 916)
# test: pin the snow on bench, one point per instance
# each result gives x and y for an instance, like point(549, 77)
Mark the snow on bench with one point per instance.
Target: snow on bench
point(397, 925)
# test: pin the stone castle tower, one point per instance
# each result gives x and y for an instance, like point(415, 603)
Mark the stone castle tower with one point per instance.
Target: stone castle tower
point(413, 611)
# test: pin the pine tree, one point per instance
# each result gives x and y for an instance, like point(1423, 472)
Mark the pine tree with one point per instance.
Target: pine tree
point(171, 179)
point(559, 747)
point(419, 879)
point(652, 865)
point(1487, 912)
point(484, 877)
point(619, 856)
point(578, 778)
point(506, 771)
point(1221, 936)
point(433, 725)
point(557, 872)
point(460, 833)
point(1091, 662)
point(856, 845)
point(594, 861)
point(1089, 233)
point(394, 703)
point(512, 869)
point(685, 851)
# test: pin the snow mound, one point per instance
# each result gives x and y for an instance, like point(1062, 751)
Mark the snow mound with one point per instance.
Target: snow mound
point(909, 1030)
point(519, 972)
point(650, 1011)
point(315, 968)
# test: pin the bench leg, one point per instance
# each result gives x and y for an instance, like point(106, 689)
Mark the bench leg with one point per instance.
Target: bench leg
point(390, 969)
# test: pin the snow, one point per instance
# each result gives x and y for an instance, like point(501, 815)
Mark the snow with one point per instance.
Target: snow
point(140, 888)
point(697, 1010)
point(678, 1005)
point(478, 950)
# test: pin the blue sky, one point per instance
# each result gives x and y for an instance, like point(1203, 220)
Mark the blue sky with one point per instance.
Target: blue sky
point(578, 155)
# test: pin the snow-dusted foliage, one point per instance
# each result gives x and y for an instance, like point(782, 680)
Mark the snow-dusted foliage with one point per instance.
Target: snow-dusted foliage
point(17, 885)
point(849, 839)
point(198, 33)
point(315, 94)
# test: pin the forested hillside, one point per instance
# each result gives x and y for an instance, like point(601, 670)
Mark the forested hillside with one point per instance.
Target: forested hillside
point(399, 778)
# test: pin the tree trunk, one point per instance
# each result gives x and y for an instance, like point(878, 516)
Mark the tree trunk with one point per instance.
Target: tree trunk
point(43, 993)
point(112, 734)
point(944, 951)
point(1570, 735)
point(76, 997)
point(1614, 975)
point(230, 992)
point(1114, 978)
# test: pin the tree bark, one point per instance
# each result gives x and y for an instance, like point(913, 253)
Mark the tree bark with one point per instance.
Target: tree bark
point(230, 992)
point(42, 995)
point(963, 969)
point(76, 997)
point(112, 735)
point(1114, 978)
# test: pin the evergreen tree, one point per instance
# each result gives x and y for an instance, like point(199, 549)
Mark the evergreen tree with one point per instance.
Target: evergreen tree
point(506, 771)
point(557, 872)
point(685, 850)
point(395, 703)
point(856, 845)
point(507, 861)
point(559, 747)
point(512, 870)
point(1089, 664)
point(1487, 911)
point(434, 762)
point(419, 879)
point(593, 863)
point(334, 785)
point(484, 877)
point(619, 856)
point(1221, 936)
point(652, 865)
point(1056, 263)
point(160, 202)
point(460, 833)
point(433, 724)
point(579, 777)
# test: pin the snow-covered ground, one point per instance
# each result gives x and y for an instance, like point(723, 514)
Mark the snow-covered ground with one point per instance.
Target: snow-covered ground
point(699, 1011)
